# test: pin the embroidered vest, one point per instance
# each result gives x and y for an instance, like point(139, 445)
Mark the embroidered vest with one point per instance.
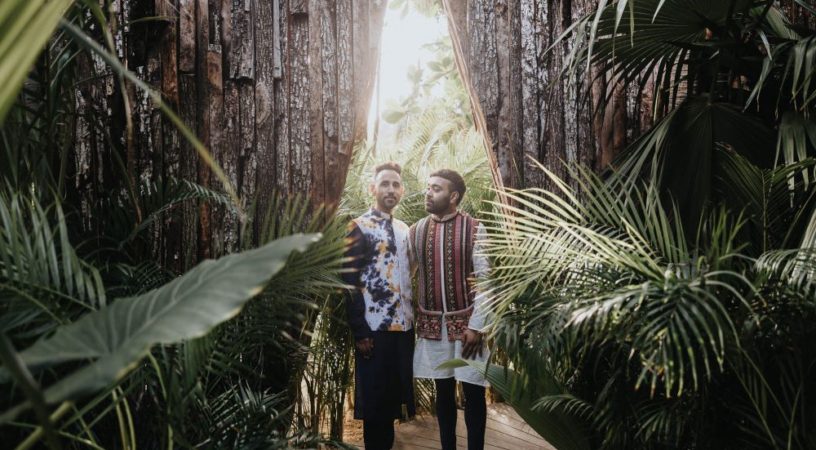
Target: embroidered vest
point(444, 254)
point(386, 276)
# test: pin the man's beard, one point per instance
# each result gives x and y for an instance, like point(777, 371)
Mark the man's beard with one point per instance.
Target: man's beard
point(384, 203)
point(436, 207)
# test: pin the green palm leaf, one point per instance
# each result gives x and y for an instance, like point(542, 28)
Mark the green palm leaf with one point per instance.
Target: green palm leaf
point(659, 35)
point(681, 150)
point(25, 27)
point(617, 263)
point(119, 335)
point(772, 199)
point(42, 280)
point(796, 138)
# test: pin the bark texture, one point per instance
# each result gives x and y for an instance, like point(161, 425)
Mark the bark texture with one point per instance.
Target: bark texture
point(525, 111)
point(278, 91)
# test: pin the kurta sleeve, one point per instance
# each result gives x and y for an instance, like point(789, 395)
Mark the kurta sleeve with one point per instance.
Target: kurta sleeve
point(412, 256)
point(355, 303)
point(481, 267)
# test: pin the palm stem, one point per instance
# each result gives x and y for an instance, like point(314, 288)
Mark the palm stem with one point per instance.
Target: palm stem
point(12, 361)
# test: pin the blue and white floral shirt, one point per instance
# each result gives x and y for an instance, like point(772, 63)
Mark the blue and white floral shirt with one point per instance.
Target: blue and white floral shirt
point(381, 299)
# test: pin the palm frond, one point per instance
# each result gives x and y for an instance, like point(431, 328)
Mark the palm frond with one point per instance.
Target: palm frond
point(159, 197)
point(628, 38)
point(796, 140)
point(622, 272)
point(42, 280)
point(772, 199)
point(680, 151)
point(241, 418)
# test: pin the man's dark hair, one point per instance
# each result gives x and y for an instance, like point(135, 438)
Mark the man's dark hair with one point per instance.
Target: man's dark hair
point(457, 182)
point(390, 165)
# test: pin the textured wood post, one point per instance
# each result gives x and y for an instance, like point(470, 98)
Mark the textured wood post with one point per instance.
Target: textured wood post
point(278, 91)
point(520, 105)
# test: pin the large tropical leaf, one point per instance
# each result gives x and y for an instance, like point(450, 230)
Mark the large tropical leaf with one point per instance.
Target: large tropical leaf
point(681, 151)
point(25, 27)
point(119, 335)
point(561, 428)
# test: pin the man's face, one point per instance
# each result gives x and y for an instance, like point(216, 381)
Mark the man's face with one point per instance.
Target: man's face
point(387, 190)
point(439, 198)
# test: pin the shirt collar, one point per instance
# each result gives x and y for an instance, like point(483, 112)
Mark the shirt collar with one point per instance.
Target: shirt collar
point(377, 213)
point(446, 217)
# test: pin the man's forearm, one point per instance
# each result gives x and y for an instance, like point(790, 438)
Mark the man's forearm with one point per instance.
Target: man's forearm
point(355, 311)
point(355, 303)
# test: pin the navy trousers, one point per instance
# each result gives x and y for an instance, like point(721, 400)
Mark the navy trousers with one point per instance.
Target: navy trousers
point(475, 413)
point(384, 387)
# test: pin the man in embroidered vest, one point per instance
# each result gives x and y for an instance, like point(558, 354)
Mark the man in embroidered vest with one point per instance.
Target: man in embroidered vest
point(380, 313)
point(446, 256)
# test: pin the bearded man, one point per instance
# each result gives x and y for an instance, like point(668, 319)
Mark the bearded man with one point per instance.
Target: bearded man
point(451, 314)
point(380, 312)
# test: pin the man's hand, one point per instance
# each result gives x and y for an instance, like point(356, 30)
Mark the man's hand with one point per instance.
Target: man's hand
point(365, 346)
point(471, 344)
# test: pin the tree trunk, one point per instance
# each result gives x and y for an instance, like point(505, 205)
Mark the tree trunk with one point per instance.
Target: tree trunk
point(525, 111)
point(278, 91)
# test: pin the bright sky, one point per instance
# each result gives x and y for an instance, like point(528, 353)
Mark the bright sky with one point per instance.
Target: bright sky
point(402, 40)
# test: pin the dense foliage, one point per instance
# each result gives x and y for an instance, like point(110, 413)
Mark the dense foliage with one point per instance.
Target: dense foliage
point(103, 346)
point(670, 303)
point(434, 129)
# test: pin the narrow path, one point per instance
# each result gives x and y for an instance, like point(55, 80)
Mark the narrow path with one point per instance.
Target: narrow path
point(505, 431)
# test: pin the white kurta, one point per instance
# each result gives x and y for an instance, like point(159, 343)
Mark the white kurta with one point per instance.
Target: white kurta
point(429, 353)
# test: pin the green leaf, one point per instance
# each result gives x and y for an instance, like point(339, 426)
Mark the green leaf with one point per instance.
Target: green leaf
point(681, 150)
point(435, 66)
point(563, 430)
point(118, 336)
point(393, 115)
point(39, 269)
point(25, 27)
point(414, 74)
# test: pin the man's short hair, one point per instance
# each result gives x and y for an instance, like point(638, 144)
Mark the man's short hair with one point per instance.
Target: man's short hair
point(390, 165)
point(457, 182)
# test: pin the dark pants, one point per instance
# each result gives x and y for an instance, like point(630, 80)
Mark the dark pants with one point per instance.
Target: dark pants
point(475, 413)
point(384, 387)
point(378, 434)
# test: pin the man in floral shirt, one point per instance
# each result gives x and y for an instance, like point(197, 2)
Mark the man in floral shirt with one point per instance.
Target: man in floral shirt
point(380, 312)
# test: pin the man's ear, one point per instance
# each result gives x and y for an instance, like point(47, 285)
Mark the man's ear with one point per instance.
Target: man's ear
point(454, 197)
point(371, 188)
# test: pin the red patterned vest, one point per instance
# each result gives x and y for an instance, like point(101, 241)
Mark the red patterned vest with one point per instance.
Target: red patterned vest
point(444, 254)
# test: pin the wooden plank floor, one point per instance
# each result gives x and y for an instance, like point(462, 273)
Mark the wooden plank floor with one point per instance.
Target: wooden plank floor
point(504, 431)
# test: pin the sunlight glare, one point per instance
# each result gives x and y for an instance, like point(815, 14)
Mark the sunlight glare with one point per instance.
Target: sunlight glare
point(402, 42)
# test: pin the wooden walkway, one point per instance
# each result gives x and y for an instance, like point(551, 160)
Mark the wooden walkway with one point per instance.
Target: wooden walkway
point(505, 431)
